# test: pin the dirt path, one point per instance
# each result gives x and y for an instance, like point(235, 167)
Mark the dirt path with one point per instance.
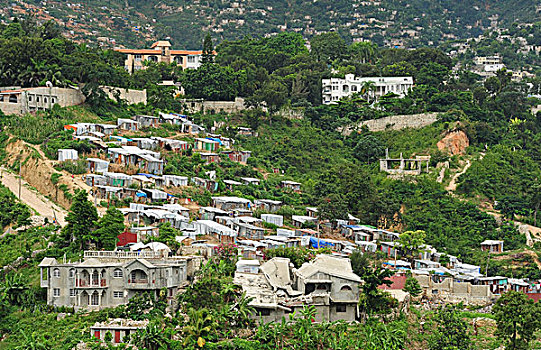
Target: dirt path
point(33, 199)
point(452, 184)
point(531, 232)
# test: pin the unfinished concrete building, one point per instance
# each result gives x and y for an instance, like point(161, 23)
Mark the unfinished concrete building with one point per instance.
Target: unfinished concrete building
point(404, 166)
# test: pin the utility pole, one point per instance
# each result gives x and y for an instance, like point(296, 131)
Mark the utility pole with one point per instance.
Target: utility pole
point(318, 244)
point(20, 179)
point(486, 269)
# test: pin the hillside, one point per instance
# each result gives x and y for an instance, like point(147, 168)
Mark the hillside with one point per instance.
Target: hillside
point(405, 234)
point(387, 22)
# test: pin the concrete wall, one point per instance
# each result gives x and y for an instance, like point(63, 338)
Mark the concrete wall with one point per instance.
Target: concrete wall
point(131, 96)
point(41, 98)
point(395, 122)
point(194, 106)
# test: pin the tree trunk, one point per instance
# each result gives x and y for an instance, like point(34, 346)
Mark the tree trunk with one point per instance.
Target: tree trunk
point(535, 214)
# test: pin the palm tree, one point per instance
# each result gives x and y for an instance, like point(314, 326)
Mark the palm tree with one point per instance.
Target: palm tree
point(367, 90)
point(364, 51)
point(199, 326)
point(7, 74)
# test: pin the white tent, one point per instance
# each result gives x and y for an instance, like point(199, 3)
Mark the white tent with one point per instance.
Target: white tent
point(137, 246)
point(157, 247)
point(67, 154)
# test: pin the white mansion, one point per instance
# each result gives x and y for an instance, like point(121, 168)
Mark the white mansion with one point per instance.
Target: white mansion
point(335, 89)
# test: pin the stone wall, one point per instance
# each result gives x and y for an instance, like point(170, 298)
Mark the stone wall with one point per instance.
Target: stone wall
point(131, 96)
point(395, 122)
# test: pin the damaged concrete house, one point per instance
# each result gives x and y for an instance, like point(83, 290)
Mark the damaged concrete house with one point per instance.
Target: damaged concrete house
point(327, 283)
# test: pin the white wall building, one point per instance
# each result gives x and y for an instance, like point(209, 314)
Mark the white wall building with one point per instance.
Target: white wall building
point(335, 89)
point(482, 60)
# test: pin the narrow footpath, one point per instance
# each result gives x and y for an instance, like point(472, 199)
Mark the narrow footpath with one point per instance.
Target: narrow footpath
point(43, 206)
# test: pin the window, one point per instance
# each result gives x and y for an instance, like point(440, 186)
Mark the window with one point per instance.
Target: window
point(118, 294)
point(29, 98)
point(53, 100)
point(138, 57)
point(262, 312)
point(340, 308)
point(117, 273)
point(45, 99)
point(353, 87)
point(73, 293)
point(56, 273)
point(72, 273)
point(13, 98)
point(56, 292)
point(152, 58)
point(1, 98)
point(95, 278)
point(133, 276)
point(37, 98)
point(191, 59)
point(345, 289)
point(94, 299)
point(178, 59)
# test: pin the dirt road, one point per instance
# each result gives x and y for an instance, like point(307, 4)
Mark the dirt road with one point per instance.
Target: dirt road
point(33, 199)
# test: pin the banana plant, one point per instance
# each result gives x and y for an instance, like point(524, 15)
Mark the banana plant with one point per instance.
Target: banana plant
point(200, 325)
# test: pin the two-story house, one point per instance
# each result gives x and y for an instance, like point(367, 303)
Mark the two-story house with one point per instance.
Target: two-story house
point(110, 278)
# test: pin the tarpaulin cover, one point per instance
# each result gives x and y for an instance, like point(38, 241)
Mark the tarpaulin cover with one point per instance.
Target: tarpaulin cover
point(322, 243)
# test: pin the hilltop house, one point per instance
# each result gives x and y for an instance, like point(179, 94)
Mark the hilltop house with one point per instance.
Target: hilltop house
point(160, 51)
point(334, 89)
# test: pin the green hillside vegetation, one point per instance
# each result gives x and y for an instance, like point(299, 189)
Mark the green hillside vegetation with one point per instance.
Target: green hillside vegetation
point(339, 175)
point(139, 22)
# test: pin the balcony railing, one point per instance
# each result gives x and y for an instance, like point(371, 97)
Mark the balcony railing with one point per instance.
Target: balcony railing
point(124, 255)
point(89, 284)
point(139, 280)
